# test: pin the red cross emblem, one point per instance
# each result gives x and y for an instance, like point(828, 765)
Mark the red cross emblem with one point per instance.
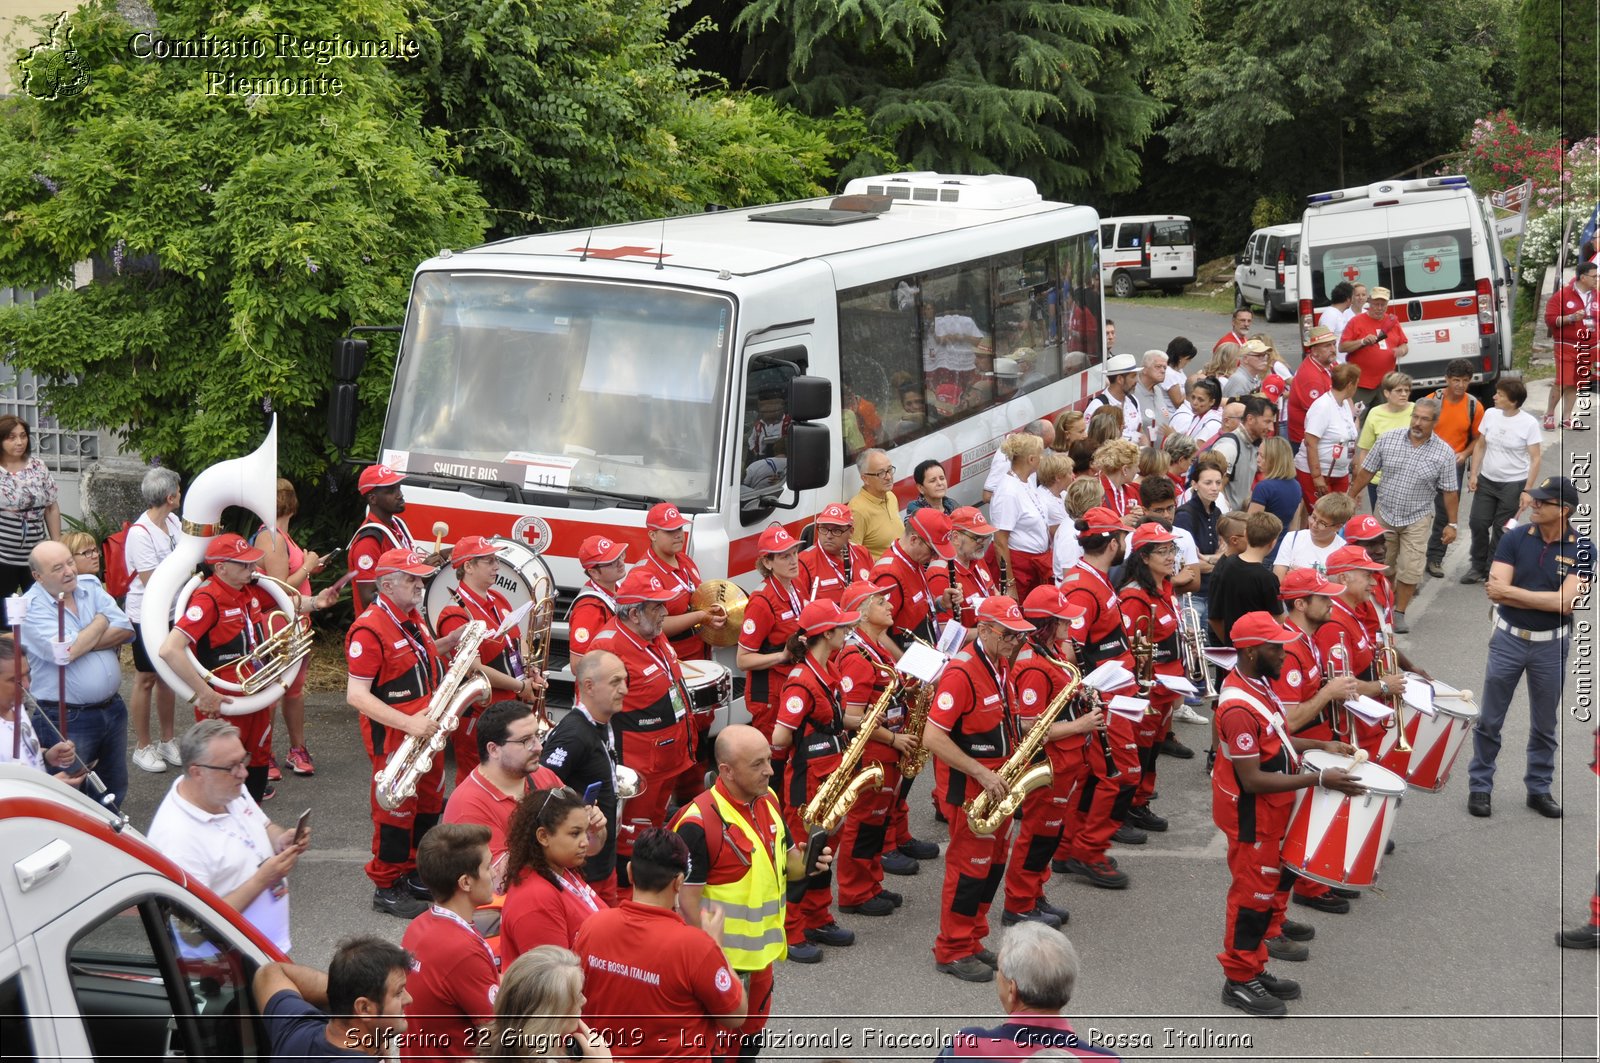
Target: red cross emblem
point(626, 251)
point(1431, 265)
point(1351, 274)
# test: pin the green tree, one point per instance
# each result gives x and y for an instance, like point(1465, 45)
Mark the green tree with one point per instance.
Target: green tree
point(1557, 60)
point(1046, 90)
point(240, 229)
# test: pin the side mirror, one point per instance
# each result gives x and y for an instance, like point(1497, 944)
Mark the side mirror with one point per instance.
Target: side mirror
point(810, 399)
point(1238, 260)
point(809, 447)
point(343, 404)
point(349, 358)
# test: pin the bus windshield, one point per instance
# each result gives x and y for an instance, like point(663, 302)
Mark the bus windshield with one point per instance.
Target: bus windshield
point(599, 386)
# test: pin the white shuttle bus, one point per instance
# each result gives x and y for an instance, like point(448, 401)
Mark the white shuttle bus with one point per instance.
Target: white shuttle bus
point(553, 387)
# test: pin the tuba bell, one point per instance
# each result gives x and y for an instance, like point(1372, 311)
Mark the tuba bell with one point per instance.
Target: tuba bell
point(250, 482)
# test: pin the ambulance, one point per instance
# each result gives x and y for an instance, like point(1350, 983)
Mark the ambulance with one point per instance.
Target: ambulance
point(108, 950)
point(1431, 242)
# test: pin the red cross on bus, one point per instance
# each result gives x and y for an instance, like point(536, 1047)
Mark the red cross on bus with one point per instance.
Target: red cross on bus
point(626, 251)
point(1431, 265)
point(1351, 274)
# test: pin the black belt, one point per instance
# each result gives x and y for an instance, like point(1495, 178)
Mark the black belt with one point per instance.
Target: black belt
point(106, 704)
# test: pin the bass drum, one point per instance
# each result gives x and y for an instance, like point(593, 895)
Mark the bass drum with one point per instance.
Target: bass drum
point(518, 575)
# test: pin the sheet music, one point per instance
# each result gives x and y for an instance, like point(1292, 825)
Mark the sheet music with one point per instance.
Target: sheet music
point(1368, 709)
point(1109, 676)
point(513, 620)
point(951, 636)
point(1177, 684)
point(1223, 657)
point(1418, 694)
point(922, 662)
point(1130, 708)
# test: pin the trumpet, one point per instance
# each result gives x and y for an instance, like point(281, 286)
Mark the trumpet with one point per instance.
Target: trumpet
point(1192, 646)
point(1144, 659)
point(1389, 664)
point(1338, 668)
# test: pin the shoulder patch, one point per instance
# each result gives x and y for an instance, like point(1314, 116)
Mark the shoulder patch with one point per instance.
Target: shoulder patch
point(556, 757)
point(193, 613)
point(365, 561)
point(1293, 677)
point(946, 700)
point(355, 649)
point(724, 980)
point(846, 684)
point(581, 634)
point(795, 703)
point(1030, 696)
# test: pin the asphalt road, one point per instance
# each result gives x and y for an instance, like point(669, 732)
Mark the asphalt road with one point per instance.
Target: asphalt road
point(1450, 957)
point(1148, 322)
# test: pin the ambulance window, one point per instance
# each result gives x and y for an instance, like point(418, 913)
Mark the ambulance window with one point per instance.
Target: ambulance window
point(15, 1032)
point(1356, 263)
point(1430, 264)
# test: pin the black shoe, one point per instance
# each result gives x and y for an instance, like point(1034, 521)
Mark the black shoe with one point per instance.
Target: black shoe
point(1141, 816)
point(1010, 918)
point(1434, 569)
point(1325, 903)
point(1340, 891)
point(874, 906)
point(1128, 834)
point(1282, 988)
point(1475, 576)
point(1099, 874)
point(1478, 804)
point(1050, 909)
point(414, 886)
point(892, 897)
point(396, 900)
point(831, 934)
point(1252, 997)
point(1281, 948)
point(968, 969)
point(918, 849)
point(1171, 747)
point(938, 814)
point(805, 952)
point(1298, 931)
point(898, 863)
point(1545, 805)
point(1579, 937)
point(1388, 847)
point(987, 958)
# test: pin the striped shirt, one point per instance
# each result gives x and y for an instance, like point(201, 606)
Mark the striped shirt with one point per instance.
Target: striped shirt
point(1412, 475)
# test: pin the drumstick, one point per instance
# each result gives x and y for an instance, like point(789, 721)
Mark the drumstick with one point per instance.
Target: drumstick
point(16, 609)
point(1358, 759)
point(440, 530)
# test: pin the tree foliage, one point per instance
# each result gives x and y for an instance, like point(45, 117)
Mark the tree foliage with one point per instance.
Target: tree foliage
point(237, 234)
point(1558, 65)
point(1047, 90)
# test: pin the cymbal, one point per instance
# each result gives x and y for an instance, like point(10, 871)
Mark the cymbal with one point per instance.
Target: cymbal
point(720, 595)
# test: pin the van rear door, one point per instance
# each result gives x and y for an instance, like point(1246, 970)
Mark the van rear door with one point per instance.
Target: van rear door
point(1171, 252)
point(1435, 286)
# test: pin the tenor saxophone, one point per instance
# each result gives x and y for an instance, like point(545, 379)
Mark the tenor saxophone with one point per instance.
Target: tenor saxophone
point(1021, 776)
point(827, 809)
point(912, 761)
point(463, 686)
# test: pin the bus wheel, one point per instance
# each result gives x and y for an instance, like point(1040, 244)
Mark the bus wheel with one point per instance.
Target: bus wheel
point(1122, 285)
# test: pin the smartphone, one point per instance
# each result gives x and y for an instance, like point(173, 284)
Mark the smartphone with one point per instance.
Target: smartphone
point(591, 793)
point(302, 827)
point(814, 846)
point(330, 554)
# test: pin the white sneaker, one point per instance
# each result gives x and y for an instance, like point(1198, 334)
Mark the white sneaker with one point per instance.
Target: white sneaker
point(1187, 715)
point(169, 752)
point(148, 758)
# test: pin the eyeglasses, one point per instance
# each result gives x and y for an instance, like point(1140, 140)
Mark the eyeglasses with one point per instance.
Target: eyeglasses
point(524, 742)
point(567, 790)
point(1535, 503)
point(93, 551)
point(228, 769)
point(1322, 522)
point(1164, 551)
point(882, 472)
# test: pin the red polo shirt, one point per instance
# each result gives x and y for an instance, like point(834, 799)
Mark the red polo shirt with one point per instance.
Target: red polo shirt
point(368, 544)
point(396, 653)
point(539, 912)
point(651, 983)
point(225, 624)
point(477, 800)
point(975, 582)
point(453, 982)
point(906, 584)
point(492, 609)
point(770, 617)
point(653, 731)
point(824, 576)
point(1375, 360)
point(861, 685)
point(1300, 680)
point(592, 611)
point(1311, 382)
point(682, 580)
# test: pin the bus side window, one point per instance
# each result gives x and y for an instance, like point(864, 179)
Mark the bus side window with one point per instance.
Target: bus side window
point(1080, 303)
point(882, 401)
point(958, 339)
point(1026, 331)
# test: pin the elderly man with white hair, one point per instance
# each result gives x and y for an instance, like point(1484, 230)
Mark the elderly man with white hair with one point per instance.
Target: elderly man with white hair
point(1150, 392)
point(1036, 973)
point(878, 523)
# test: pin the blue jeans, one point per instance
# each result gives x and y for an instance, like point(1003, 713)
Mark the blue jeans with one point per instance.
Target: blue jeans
point(1509, 658)
point(100, 735)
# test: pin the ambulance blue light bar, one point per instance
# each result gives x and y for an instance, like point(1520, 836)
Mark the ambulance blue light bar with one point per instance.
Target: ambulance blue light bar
point(1386, 188)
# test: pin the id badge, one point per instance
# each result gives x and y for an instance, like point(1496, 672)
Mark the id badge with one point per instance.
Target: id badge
point(1383, 341)
point(514, 656)
point(675, 692)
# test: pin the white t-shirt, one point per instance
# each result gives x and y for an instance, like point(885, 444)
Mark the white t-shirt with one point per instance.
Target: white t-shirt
point(1174, 379)
point(223, 851)
point(1505, 444)
point(1334, 424)
point(1187, 553)
point(1055, 506)
point(1200, 429)
point(1017, 509)
point(1132, 425)
point(1337, 319)
point(145, 547)
point(1297, 550)
point(32, 752)
point(1065, 552)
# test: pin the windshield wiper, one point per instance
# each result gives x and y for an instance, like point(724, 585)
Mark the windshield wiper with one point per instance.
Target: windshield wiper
point(644, 501)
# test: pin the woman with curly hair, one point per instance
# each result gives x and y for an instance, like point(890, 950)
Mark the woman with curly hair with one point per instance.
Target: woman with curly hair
point(546, 899)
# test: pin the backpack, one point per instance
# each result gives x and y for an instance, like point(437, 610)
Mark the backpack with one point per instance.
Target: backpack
point(114, 562)
point(1472, 414)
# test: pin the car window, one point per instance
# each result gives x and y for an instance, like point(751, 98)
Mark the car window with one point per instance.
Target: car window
point(1130, 234)
point(15, 1033)
point(1171, 234)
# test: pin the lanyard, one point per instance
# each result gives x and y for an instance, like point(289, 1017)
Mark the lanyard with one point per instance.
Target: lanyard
point(1106, 583)
point(445, 913)
point(788, 592)
point(591, 585)
point(674, 574)
point(487, 607)
point(680, 697)
point(828, 688)
point(418, 647)
point(582, 890)
point(921, 572)
point(1115, 496)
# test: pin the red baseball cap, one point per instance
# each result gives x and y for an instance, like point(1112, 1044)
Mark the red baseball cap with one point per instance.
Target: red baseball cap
point(1151, 533)
point(641, 585)
point(970, 520)
point(401, 560)
point(470, 547)
point(598, 550)
point(664, 516)
point(837, 514)
point(1254, 629)
point(1351, 559)
point(376, 476)
point(775, 540)
point(1362, 527)
point(1273, 387)
point(857, 593)
point(934, 528)
point(1101, 520)
point(823, 615)
point(1304, 582)
point(231, 547)
point(1046, 600)
point(1001, 610)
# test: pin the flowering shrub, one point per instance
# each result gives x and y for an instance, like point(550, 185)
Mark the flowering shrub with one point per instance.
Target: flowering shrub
point(1539, 245)
point(1499, 153)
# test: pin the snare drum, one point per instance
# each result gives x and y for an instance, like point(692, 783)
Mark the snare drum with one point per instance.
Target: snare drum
point(1435, 741)
point(1339, 840)
point(710, 686)
point(518, 573)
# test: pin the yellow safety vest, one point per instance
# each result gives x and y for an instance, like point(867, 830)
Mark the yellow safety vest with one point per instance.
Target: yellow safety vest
point(753, 905)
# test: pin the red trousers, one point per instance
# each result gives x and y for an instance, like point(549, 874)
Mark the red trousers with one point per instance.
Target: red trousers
point(814, 909)
point(973, 868)
point(1044, 820)
point(1336, 485)
point(758, 999)
point(1103, 803)
point(395, 835)
point(255, 731)
point(898, 831)
point(858, 858)
point(1258, 894)
point(1029, 571)
point(692, 783)
point(1148, 733)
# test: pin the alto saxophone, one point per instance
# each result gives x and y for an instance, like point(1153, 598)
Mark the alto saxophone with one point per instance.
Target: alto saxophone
point(827, 809)
point(912, 761)
point(463, 686)
point(1019, 773)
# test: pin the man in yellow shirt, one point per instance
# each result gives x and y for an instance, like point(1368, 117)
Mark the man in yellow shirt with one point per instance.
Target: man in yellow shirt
point(875, 507)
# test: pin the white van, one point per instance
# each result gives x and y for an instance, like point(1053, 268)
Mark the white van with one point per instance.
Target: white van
point(1431, 242)
point(1146, 251)
point(1266, 273)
